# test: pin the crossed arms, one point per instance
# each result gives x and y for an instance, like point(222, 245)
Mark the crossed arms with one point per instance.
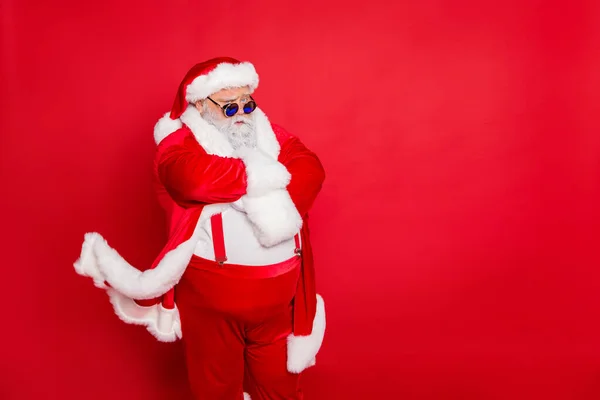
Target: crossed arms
point(191, 176)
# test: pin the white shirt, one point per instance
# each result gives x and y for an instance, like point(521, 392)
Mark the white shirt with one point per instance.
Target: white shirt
point(241, 245)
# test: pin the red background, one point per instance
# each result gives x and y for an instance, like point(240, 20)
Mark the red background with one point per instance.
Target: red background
point(456, 236)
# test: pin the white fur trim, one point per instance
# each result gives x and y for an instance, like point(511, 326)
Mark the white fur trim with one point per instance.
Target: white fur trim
point(238, 205)
point(247, 396)
point(162, 323)
point(103, 263)
point(265, 137)
point(223, 76)
point(302, 350)
point(264, 172)
point(274, 217)
point(165, 126)
point(86, 264)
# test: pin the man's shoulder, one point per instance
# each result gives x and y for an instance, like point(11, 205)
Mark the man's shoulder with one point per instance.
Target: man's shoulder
point(281, 134)
point(180, 137)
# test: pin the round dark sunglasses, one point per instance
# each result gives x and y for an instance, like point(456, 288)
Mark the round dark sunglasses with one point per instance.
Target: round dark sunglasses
point(230, 109)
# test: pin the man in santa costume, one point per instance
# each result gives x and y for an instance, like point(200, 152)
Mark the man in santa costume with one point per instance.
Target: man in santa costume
point(235, 280)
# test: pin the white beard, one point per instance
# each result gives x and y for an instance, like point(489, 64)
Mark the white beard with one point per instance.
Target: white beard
point(239, 135)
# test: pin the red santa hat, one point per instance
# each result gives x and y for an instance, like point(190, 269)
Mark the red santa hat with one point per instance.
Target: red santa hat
point(210, 76)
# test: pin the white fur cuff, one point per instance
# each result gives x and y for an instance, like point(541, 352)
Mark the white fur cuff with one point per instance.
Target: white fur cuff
point(162, 323)
point(274, 217)
point(103, 263)
point(302, 350)
point(86, 264)
point(263, 171)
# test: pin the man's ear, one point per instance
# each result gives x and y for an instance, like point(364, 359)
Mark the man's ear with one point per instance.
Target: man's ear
point(198, 105)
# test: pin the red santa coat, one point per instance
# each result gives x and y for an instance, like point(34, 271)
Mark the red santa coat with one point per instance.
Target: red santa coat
point(197, 174)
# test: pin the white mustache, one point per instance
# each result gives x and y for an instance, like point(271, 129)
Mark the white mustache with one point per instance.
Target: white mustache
point(239, 118)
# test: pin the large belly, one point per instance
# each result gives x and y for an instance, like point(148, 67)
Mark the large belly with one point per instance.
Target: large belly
point(241, 245)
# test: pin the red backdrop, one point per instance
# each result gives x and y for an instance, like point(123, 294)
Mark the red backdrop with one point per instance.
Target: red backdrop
point(456, 236)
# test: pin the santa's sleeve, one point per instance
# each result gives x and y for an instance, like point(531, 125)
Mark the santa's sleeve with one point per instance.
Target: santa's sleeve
point(307, 173)
point(191, 176)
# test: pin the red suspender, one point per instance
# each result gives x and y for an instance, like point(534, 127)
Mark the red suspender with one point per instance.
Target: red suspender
point(216, 224)
point(298, 250)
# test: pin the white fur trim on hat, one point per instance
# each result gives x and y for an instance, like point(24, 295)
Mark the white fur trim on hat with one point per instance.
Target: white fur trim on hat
point(225, 75)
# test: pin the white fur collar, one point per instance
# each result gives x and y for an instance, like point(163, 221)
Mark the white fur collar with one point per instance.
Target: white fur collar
point(211, 139)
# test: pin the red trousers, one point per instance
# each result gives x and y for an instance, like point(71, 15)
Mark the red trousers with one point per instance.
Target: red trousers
point(235, 321)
